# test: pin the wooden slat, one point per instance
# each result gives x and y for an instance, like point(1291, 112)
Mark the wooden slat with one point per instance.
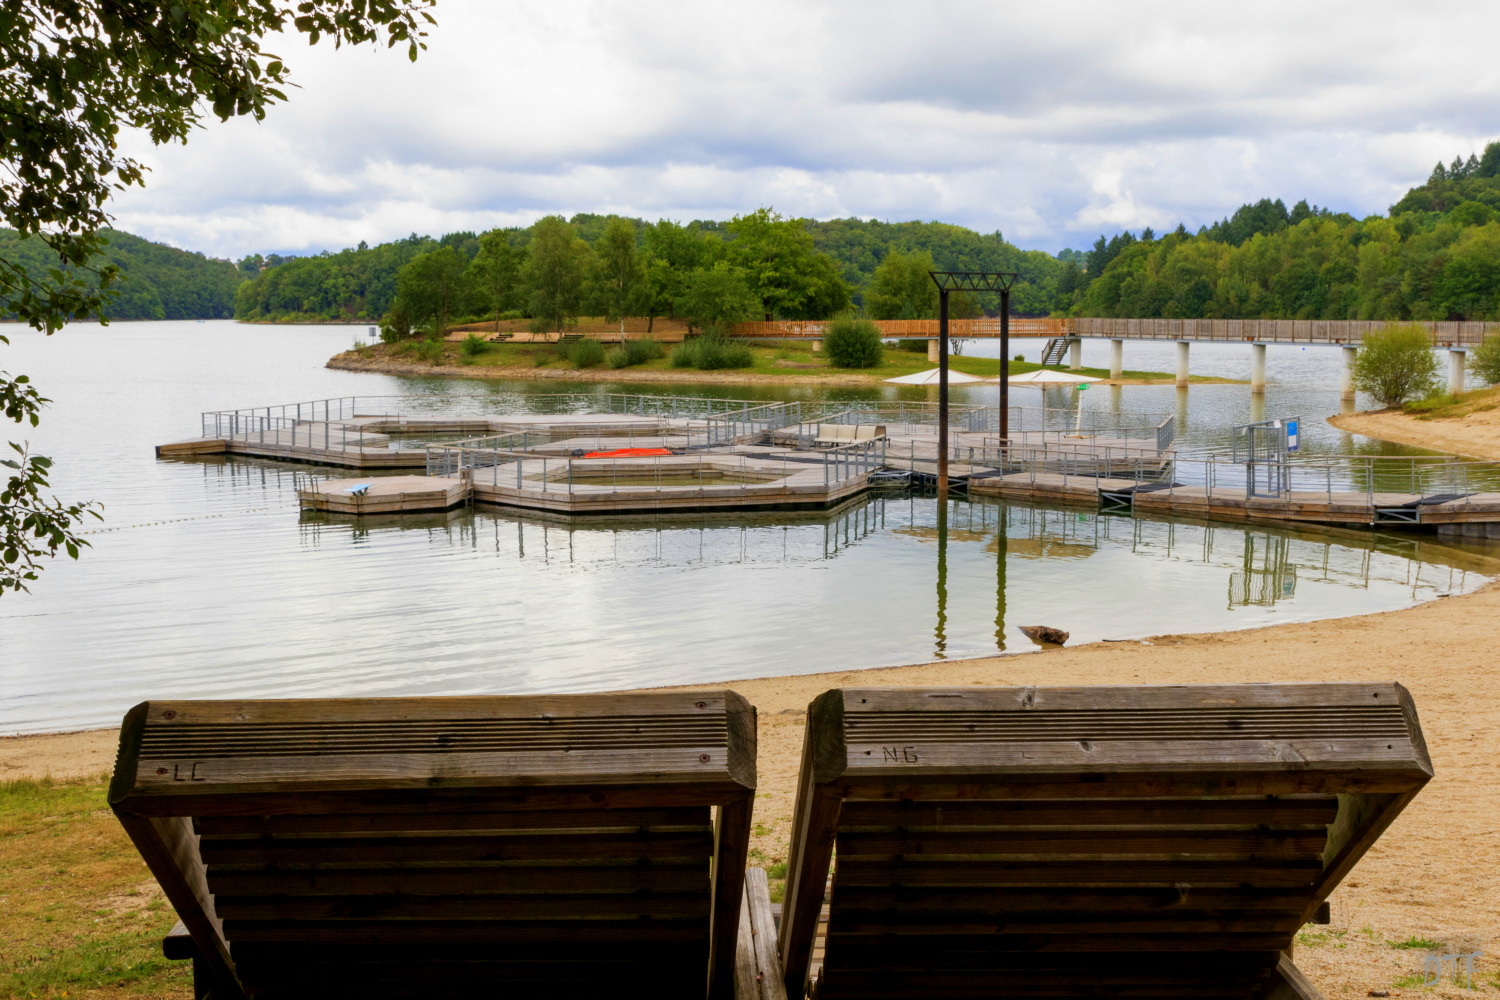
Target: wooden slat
point(1085, 845)
point(535, 906)
point(1262, 875)
point(486, 932)
point(421, 821)
point(626, 876)
point(1314, 811)
point(347, 852)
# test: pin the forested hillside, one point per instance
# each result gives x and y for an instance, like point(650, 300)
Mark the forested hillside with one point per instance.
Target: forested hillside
point(1437, 256)
point(754, 266)
point(155, 282)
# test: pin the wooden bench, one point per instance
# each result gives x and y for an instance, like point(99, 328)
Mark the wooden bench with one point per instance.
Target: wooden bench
point(1084, 842)
point(560, 846)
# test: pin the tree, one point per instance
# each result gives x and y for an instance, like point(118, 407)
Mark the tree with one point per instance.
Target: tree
point(76, 73)
point(784, 270)
point(619, 280)
point(553, 273)
point(717, 297)
point(496, 270)
point(1484, 360)
point(432, 286)
point(902, 288)
point(1396, 363)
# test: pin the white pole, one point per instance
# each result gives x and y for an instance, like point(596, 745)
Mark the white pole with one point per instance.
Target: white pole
point(1182, 364)
point(1117, 359)
point(1346, 378)
point(1258, 368)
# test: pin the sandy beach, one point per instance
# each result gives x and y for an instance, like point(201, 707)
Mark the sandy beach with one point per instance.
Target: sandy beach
point(1476, 434)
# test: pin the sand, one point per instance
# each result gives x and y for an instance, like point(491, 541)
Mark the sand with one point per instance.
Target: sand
point(1476, 434)
point(1434, 873)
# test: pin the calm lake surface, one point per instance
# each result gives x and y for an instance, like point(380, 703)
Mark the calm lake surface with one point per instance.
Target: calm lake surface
point(204, 580)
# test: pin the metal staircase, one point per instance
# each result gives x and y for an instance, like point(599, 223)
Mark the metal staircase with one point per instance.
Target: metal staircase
point(1056, 351)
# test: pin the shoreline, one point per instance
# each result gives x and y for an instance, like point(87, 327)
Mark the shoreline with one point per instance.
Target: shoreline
point(1476, 435)
point(351, 361)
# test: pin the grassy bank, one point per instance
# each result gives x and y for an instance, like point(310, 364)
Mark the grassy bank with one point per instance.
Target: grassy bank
point(774, 361)
point(83, 916)
point(1451, 407)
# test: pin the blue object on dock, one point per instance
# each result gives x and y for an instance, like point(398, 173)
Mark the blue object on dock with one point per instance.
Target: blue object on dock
point(358, 491)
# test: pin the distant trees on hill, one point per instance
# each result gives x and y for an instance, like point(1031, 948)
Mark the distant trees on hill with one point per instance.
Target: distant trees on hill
point(156, 281)
point(755, 266)
point(1436, 257)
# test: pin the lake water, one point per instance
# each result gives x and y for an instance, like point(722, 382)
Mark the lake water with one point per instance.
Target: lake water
point(204, 580)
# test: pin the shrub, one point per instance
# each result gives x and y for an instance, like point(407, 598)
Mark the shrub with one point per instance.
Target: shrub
point(617, 357)
point(1396, 363)
point(642, 351)
point(585, 353)
point(912, 345)
point(851, 342)
point(430, 351)
point(395, 326)
point(712, 351)
point(1484, 360)
point(472, 346)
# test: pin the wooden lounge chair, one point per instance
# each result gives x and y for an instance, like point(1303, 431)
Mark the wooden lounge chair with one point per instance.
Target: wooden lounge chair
point(434, 847)
point(1083, 842)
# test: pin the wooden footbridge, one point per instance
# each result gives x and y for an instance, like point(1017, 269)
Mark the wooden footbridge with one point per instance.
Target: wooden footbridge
point(1066, 336)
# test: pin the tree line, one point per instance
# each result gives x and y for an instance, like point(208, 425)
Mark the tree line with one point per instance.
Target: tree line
point(1435, 257)
point(710, 274)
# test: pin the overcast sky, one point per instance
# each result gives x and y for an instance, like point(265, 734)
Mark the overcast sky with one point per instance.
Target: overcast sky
point(1052, 122)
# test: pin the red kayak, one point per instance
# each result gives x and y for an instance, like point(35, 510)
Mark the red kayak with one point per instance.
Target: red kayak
point(629, 453)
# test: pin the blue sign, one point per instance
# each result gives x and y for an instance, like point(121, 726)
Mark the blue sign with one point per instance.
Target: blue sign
point(1292, 429)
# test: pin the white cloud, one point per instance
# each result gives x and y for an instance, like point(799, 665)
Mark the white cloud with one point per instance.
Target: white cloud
point(1050, 122)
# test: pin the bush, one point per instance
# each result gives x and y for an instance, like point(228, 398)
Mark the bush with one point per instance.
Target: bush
point(912, 345)
point(430, 351)
point(712, 351)
point(472, 346)
point(395, 326)
point(617, 357)
point(585, 353)
point(1396, 363)
point(1484, 360)
point(851, 342)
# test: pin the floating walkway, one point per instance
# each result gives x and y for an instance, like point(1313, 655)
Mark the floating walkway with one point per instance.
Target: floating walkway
point(633, 454)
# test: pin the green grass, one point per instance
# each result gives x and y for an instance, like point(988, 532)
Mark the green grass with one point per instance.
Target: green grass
point(1417, 944)
point(1318, 939)
point(1445, 406)
point(789, 358)
point(83, 917)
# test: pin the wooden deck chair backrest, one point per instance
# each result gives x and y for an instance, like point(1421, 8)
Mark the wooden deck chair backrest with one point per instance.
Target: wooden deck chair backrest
point(1083, 842)
point(541, 846)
